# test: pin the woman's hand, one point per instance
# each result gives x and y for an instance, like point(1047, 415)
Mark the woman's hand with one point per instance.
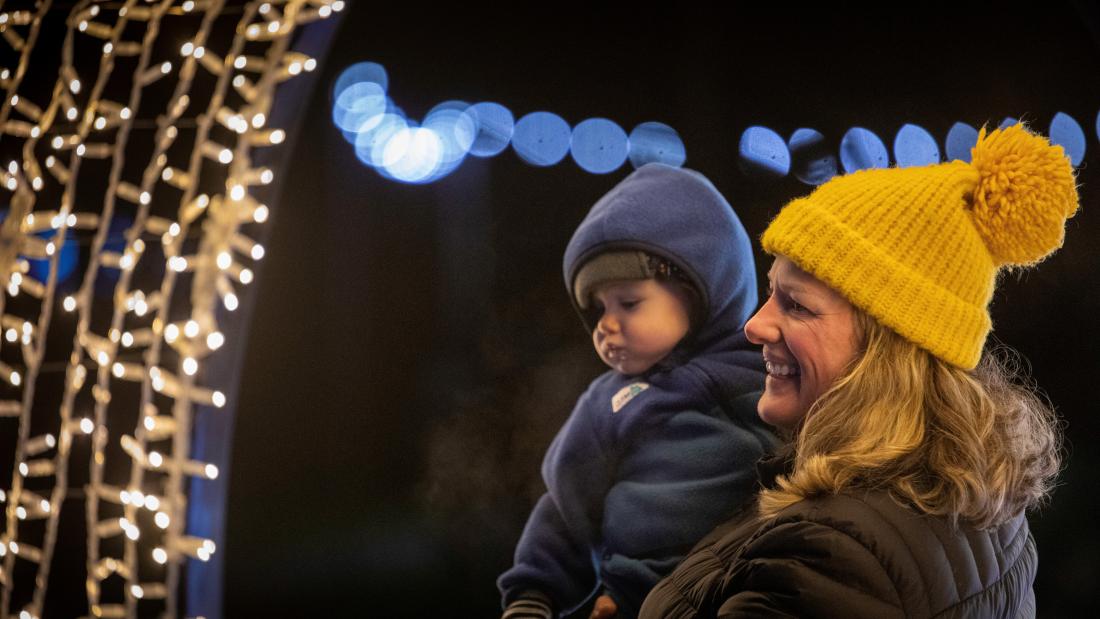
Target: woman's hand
point(605, 608)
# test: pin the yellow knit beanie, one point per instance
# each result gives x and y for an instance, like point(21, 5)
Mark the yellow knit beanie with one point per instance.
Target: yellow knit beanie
point(919, 248)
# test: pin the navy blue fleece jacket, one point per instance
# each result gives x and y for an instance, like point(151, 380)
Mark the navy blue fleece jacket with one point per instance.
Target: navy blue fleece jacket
point(646, 465)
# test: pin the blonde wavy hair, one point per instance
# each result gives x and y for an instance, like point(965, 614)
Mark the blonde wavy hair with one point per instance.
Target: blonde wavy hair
point(978, 445)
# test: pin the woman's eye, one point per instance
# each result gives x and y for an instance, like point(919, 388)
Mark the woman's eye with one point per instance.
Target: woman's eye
point(795, 306)
point(630, 304)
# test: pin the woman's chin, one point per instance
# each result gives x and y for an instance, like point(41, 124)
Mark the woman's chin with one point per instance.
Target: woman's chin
point(779, 412)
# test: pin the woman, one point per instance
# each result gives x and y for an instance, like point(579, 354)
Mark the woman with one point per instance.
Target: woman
point(914, 455)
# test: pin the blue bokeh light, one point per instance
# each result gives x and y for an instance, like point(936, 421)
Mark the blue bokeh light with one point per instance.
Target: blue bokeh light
point(861, 149)
point(812, 162)
point(358, 106)
point(599, 145)
point(66, 261)
point(369, 122)
point(1008, 122)
point(402, 149)
point(456, 129)
point(106, 279)
point(764, 151)
point(495, 125)
point(361, 72)
point(1065, 132)
point(541, 138)
point(960, 139)
point(654, 142)
point(914, 146)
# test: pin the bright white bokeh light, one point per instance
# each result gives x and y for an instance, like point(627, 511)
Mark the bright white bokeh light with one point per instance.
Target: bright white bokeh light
point(370, 145)
point(412, 154)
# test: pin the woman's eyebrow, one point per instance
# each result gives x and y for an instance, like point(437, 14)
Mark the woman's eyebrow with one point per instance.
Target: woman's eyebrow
point(787, 286)
point(795, 288)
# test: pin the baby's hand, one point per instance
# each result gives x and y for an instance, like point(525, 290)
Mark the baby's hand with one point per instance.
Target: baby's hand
point(605, 608)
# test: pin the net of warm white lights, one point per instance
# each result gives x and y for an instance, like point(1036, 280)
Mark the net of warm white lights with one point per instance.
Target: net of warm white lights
point(134, 122)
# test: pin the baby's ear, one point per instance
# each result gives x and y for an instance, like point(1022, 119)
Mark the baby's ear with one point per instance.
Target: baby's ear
point(693, 303)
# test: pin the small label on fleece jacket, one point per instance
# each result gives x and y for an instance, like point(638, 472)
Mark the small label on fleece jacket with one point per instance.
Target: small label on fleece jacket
point(625, 395)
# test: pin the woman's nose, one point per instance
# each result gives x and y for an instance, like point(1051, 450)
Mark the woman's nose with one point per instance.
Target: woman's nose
point(762, 328)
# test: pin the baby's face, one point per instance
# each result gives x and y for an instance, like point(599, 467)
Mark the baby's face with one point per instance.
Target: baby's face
point(640, 322)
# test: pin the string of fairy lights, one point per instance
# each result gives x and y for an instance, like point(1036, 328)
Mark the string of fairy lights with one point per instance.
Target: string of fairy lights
point(141, 354)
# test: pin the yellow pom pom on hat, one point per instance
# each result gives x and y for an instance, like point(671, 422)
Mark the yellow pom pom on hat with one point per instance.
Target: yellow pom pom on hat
point(919, 248)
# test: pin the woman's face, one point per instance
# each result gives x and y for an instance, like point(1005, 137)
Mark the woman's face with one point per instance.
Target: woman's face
point(809, 336)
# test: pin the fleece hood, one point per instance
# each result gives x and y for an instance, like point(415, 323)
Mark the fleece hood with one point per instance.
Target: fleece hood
point(679, 215)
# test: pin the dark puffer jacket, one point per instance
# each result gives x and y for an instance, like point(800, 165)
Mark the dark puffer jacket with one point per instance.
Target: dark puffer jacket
point(853, 555)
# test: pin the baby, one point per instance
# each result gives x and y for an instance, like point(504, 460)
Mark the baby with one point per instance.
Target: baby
point(662, 448)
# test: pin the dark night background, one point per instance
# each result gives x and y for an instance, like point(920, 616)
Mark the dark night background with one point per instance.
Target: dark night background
point(413, 350)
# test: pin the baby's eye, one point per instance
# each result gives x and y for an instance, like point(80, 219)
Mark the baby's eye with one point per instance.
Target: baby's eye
point(630, 303)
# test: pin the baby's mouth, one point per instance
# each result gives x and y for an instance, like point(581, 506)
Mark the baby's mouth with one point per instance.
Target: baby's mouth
point(616, 354)
point(782, 370)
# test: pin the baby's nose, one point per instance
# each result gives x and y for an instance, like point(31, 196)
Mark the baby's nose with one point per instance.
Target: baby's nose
point(608, 324)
